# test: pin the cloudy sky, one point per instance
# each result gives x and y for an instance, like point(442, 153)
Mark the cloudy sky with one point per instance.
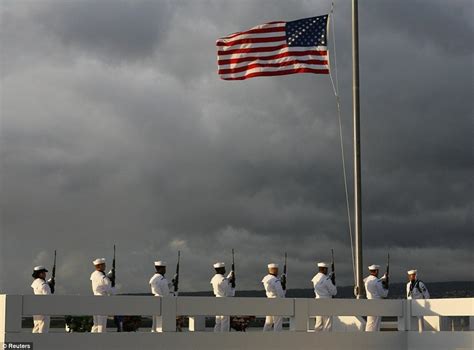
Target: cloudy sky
point(115, 128)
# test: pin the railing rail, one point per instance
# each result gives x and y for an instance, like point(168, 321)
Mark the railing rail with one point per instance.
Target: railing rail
point(299, 310)
point(347, 319)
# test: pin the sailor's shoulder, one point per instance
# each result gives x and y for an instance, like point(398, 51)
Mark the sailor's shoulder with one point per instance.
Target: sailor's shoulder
point(155, 278)
point(371, 279)
point(38, 282)
point(97, 275)
point(422, 284)
point(269, 279)
point(217, 278)
point(318, 277)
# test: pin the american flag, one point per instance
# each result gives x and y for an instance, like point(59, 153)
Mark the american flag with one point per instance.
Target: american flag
point(275, 48)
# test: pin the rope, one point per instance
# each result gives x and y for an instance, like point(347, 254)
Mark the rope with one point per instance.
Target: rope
point(338, 103)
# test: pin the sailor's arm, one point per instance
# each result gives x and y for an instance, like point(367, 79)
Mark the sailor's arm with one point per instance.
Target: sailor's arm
point(424, 290)
point(45, 289)
point(331, 288)
point(279, 289)
point(381, 291)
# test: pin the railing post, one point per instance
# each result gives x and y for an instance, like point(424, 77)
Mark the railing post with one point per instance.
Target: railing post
point(11, 310)
point(299, 320)
point(402, 320)
point(168, 314)
point(197, 323)
point(407, 322)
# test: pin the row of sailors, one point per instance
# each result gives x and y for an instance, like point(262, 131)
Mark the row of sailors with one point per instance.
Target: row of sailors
point(222, 287)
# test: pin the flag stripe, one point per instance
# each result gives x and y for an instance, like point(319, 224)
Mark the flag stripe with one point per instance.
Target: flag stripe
point(252, 40)
point(263, 28)
point(257, 49)
point(272, 57)
point(279, 72)
point(226, 49)
point(279, 64)
point(272, 69)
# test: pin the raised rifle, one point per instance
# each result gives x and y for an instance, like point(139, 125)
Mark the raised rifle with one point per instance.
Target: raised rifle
point(175, 280)
point(113, 270)
point(333, 270)
point(283, 277)
point(52, 281)
point(385, 282)
point(232, 282)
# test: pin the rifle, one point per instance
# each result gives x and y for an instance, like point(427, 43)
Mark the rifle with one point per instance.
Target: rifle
point(333, 270)
point(283, 277)
point(386, 281)
point(52, 281)
point(113, 270)
point(233, 271)
point(175, 280)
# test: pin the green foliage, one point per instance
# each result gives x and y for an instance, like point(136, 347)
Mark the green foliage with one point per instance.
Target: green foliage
point(79, 324)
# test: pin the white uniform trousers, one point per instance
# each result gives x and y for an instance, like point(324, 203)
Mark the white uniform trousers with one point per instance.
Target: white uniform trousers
point(421, 324)
point(373, 323)
point(222, 324)
point(41, 324)
point(323, 323)
point(157, 324)
point(100, 324)
point(275, 321)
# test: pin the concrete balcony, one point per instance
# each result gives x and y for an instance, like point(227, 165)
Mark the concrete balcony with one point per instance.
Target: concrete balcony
point(347, 333)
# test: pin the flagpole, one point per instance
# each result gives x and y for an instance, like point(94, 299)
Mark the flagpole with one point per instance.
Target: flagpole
point(359, 288)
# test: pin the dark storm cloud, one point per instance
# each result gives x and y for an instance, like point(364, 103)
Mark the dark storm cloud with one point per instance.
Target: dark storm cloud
point(116, 129)
point(112, 30)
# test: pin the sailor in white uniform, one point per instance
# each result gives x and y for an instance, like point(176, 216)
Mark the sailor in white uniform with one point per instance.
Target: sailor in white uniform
point(323, 289)
point(375, 290)
point(101, 285)
point(160, 287)
point(41, 287)
point(273, 289)
point(222, 287)
point(416, 289)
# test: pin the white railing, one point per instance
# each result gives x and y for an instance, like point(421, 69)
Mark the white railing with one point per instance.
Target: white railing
point(300, 311)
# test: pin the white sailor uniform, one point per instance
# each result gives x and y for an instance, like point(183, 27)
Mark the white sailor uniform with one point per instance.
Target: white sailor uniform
point(222, 288)
point(160, 288)
point(273, 289)
point(40, 322)
point(375, 290)
point(101, 285)
point(323, 289)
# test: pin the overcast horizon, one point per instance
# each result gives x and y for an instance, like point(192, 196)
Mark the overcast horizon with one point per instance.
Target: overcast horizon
point(116, 129)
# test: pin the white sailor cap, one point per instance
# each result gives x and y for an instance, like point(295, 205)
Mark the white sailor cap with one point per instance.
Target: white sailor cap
point(160, 263)
point(272, 266)
point(99, 261)
point(40, 268)
point(218, 265)
point(323, 264)
point(374, 267)
point(412, 272)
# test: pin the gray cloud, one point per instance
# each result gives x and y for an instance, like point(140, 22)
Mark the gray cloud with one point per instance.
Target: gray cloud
point(114, 31)
point(116, 129)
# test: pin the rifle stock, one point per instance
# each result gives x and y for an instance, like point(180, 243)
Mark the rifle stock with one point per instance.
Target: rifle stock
point(333, 269)
point(386, 281)
point(113, 270)
point(53, 274)
point(176, 276)
point(283, 277)
point(233, 270)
